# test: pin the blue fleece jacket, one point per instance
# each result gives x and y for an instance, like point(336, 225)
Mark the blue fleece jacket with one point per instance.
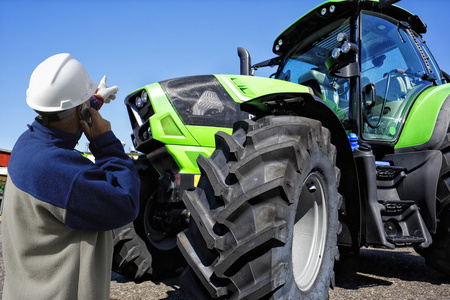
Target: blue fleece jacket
point(97, 196)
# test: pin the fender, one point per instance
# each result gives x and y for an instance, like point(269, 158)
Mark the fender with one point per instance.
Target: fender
point(310, 106)
point(427, 122)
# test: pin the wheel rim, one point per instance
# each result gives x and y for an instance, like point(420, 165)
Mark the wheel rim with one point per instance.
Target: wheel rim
point(310, 231)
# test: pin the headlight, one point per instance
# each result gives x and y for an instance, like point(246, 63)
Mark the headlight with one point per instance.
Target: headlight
point(349, 48)
point(144, 96)
point(346, 47)
point(336, 52)
point(342, 37)
point(139, 103)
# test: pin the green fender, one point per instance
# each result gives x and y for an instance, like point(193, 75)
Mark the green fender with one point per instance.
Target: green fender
point(427, 122)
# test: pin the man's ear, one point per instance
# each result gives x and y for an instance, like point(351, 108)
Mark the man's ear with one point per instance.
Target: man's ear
point(78, 111)
point(85, 114)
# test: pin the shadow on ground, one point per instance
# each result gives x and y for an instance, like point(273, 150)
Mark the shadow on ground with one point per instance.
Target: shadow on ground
point(124, 288)
point(374, 267)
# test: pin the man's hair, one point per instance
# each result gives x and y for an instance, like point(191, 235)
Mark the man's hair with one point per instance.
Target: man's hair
point(54, 116)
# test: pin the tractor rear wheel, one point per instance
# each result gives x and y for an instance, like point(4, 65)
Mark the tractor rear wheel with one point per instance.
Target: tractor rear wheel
point(437, 255)
point(131, 257)
point(146, 248)
point(265, 213)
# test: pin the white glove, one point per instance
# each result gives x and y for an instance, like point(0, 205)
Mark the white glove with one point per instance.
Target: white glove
point(107, 93)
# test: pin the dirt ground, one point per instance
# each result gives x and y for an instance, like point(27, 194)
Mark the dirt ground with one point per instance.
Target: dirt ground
point(374, 274)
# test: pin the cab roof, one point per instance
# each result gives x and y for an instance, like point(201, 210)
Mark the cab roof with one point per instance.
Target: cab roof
point(329, 12)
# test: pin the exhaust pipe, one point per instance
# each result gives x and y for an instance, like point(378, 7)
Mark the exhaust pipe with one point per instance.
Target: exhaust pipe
point(245, 59)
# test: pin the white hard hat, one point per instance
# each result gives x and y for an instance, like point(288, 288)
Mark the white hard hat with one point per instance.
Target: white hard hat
point(59, 83)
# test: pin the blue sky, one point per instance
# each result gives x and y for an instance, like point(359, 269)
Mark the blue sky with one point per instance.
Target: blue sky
point(138, 42)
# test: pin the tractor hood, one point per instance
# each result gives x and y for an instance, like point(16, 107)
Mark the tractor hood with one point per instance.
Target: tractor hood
point(190, 110)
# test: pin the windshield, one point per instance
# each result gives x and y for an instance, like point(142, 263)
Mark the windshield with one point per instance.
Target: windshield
point(391, 63)
point(306, 66)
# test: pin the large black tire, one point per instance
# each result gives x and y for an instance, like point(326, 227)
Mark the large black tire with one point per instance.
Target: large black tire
point(265, 213)
point(131, 257)
point(146, 249)
point(437, 255)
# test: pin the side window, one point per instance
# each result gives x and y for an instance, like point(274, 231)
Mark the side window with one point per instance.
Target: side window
point(386, 71)
point(392, 66)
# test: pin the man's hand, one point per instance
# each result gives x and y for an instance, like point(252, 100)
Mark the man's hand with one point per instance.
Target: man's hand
point(99, 125)
point(107, 93)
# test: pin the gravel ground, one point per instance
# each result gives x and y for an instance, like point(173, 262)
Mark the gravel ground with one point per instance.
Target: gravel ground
point(388, 274)
point(374, 274)
point(123, 289)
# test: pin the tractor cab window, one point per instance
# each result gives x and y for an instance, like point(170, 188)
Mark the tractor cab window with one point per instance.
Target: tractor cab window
point(392, 72)
point(306, 66)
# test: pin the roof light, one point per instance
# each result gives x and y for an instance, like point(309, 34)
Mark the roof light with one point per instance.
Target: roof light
point(332, 8)
point(323, 11)
point(279, 43)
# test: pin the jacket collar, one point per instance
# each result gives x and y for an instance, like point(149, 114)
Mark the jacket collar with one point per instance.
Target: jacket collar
point(59, 138)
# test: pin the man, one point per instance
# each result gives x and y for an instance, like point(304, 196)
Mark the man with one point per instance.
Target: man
point(59, 207)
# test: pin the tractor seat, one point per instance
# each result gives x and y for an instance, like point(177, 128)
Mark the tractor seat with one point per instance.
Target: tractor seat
point(399, 85)
point(320, 84)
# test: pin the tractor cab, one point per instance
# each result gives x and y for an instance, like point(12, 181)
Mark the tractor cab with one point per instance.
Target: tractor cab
point(368, 62)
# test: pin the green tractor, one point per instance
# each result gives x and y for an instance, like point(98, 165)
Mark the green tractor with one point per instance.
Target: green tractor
point(252, 186)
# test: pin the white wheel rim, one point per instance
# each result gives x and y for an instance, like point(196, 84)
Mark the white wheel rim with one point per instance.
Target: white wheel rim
point(310, 232)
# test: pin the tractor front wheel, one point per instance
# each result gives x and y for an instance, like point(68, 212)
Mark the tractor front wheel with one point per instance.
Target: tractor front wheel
point(265, 213)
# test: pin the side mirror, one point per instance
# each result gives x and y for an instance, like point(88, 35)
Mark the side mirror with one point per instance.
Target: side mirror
point(417, 24)
point(368, 91)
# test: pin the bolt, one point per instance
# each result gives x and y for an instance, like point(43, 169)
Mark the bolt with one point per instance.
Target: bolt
point(311, 187)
